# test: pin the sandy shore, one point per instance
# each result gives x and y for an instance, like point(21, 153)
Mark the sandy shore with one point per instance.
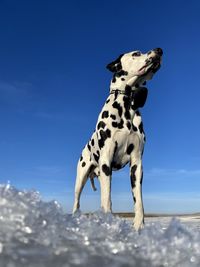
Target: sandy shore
point(164, 217)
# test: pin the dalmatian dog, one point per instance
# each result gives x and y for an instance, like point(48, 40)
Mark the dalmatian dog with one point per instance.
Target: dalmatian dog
point(119, 136)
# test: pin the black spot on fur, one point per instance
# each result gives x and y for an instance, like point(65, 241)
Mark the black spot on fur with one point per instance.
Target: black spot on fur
point(81, 158)
point(141, 127)
point(134, 128)
point(116, 94)
point(113, 116)
point(141, 178)
point(127, 106)
point(134, 199)
point(108, 133)
point(88, 146)
point(105, 114)
point(128, 124)
point(127, 101)
point(107, 101)
point(96, 157)
point(101, 124)
point(114, 124)
point(92, 142)
point(130, 149)
point(106, 169)
point(121, 124)
point(114, 79)
point(121, 73)
point(83, 164)
point(118, 125)
point(128, 90)
point(104, 135)
point(133, 177)
point(118, 107)
point(101, 141)
point(98, 153)
point(139, 97)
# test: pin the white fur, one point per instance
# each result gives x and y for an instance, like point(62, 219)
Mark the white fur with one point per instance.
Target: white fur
point(114, 149)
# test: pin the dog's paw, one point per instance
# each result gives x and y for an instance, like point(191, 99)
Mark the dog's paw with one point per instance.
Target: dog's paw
point(138, 224)
point(76, 213)
point(76, 209)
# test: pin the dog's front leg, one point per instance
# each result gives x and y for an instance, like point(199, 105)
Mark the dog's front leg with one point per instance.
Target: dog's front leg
point(105, 184)
point(136, 175)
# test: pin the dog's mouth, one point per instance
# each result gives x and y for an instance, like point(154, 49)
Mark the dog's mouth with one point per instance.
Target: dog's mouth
point(152, 65)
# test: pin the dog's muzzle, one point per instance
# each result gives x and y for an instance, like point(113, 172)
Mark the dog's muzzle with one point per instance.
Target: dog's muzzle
point(156, 60)
point(158, 51)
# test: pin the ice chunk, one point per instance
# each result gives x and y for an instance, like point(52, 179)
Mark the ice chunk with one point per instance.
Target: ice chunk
point(37, 233)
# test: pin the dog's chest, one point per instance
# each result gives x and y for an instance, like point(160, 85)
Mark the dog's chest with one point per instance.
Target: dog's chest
point(118, 149)
point(115, 133)
point(122, 151)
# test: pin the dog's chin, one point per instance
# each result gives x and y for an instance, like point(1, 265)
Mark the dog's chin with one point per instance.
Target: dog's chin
point(150, 70)
point(147, 73)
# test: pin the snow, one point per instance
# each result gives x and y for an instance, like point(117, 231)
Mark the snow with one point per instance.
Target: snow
point(37, 233)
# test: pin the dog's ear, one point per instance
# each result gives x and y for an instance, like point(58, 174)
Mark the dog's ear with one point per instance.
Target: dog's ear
point(140, 97)
point(116, 65)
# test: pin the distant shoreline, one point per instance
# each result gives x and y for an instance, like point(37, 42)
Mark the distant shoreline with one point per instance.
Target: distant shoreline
point(130, 214)
point(154, 215)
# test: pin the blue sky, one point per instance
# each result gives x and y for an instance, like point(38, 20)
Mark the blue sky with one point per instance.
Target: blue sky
point(53, 83)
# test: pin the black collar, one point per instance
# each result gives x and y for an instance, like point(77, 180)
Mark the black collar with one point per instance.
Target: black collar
point(128, 93)
point(117, 91)
point(139, 95)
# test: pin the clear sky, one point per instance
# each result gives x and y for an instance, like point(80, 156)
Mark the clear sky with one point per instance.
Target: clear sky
point(53, 83)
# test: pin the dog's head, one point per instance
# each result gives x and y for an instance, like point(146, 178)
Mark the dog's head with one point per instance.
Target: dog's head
point(134, 68)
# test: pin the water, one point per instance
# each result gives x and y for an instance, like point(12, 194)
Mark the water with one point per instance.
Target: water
point(37, 233)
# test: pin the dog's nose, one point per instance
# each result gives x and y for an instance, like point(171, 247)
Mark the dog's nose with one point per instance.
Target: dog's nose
point(158, 51)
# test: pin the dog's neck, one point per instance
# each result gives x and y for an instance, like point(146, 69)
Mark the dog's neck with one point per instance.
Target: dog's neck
point(122, 85)
point(132, 97)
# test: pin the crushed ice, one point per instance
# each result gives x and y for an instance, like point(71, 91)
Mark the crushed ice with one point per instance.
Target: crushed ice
point(37, 233)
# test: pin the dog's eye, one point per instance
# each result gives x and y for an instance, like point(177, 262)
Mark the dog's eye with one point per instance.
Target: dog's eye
point(136, 54)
